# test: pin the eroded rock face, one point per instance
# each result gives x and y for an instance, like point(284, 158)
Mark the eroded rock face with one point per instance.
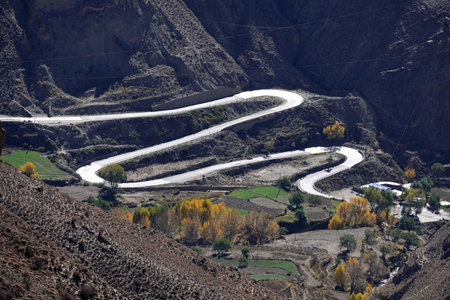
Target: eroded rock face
point(395, 55)
point(2, 138)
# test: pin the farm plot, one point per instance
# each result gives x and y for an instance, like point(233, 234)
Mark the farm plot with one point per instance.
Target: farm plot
point(45, 168)
point(246, 204)
point(263, 269)
point(268, 203)
point(315, 213)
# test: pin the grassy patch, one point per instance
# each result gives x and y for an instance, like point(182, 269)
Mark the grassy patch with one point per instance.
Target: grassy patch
point(286, 218)
point(243, 212)
point(335, 203)
point(45, 168)
point(242, 194)
point(262, 263)
point(269, 277)
point(269, 191)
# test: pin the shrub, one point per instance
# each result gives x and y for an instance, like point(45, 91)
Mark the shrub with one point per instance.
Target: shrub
point(348, 241)
point(243, 262)
point(296, 200)
point(284, 184)
point(314, 200)
point(370, 237)
point(283, 231)
point(87, 292)
point(222, 245)
point(196, 249)
point(245, 252)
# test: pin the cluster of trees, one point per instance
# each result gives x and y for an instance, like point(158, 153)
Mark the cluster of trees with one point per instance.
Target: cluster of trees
point(30, 169)
point(200, 220)
point(334, 132)
point(369, 211)
point(410, 238)
point(420, 193)
point(353, 273)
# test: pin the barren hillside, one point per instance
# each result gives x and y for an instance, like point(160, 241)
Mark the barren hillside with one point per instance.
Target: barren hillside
point(58, 54)
point(141, 261)
point(33, 267)
point(425, 275)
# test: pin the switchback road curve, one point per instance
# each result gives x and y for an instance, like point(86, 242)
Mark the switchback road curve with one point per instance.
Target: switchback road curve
point(290, 100)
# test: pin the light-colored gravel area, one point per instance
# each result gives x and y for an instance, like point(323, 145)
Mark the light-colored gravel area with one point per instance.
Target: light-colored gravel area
point(267, 175)
point(157, 169)
point(267, 202)
point(345, 194)
point(80, 192)
point(322, 239)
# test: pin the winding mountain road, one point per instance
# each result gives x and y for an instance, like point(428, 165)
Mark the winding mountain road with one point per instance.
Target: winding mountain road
point(290, 100)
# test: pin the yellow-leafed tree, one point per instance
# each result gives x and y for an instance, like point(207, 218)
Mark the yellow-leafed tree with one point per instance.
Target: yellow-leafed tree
point(352, 213)
point(369, 291)
point(355, 273)
point(410, 173)
point(190, 231)
point(210, 231)
point(340, 277)
point(335, 131)
point(30, 169)
point(369, 219)
point(231, 222)
point(344, 212)
point(392, 220)
point(381, 217)
point(335, 223)
point(259, 229)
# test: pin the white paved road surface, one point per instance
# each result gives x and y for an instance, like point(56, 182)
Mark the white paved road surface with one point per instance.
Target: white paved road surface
point(89, 172)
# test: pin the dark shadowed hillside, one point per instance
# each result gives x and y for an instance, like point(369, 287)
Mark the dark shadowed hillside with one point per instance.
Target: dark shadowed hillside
point(395, 55)
point(59, 54)
point(141, 261)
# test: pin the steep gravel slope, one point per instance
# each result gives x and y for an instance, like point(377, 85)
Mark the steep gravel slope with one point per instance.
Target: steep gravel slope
point(141, 261)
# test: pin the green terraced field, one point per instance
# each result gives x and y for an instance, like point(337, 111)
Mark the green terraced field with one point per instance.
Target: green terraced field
point(268, 191)
point(45, 168)
point(263, 263)
point(242, 194)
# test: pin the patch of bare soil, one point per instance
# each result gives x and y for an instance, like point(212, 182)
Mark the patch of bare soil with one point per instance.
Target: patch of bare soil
point(248, 205)
point(80, 192)
point(153, 170)
point(315, 213)
point(327, 240)
point(345, 194)
point(267, 175)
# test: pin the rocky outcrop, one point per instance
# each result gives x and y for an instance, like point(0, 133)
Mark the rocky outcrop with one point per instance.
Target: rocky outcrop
point(111, 51)
point(395, 55)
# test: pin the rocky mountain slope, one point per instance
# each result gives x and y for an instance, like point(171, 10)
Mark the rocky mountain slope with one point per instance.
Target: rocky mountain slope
point(56, 54)
point(425, 274)
point(395, 55)
point(141, 261)
point(33, 267)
